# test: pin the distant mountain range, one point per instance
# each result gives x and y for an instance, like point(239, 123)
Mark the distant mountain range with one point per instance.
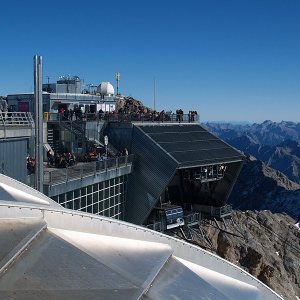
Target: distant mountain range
point(266, 133)
point(275, 144)
point(270, 178)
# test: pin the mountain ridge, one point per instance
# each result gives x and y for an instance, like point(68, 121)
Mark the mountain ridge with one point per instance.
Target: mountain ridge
point(260, 187)
point(276, 144)
point(266, 133)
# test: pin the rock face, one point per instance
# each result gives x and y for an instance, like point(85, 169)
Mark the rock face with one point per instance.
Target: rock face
point(265, 241)
point(260, 187)
point(131, 105)
point(266, 245)
point(284, 157)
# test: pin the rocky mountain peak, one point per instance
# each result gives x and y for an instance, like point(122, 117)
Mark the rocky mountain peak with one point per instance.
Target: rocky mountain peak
point(267, 192)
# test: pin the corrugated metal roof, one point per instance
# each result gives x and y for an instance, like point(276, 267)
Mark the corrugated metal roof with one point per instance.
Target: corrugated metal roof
point(192, 145)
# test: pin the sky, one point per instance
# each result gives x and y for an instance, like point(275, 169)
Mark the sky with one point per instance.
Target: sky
point(230, 60)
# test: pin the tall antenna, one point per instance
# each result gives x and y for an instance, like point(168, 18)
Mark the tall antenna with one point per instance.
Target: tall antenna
point(117, 79)
point(154, 93)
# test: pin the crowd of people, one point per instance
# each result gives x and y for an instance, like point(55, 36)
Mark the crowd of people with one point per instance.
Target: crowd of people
point(138, 112)
point(60, 160)
point(100, 154)
point(153, 116)
point(127, 109)
point(71, 114)
point(68, 159)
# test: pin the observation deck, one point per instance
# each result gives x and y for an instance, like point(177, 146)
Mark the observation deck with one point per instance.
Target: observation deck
point(124, 117)
point(62, 180)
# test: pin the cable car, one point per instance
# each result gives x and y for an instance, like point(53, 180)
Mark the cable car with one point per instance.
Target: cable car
point(171, 216)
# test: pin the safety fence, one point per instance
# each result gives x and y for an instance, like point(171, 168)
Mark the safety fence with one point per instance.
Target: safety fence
point(16, 119)
point(84, 169)
point(124, 118)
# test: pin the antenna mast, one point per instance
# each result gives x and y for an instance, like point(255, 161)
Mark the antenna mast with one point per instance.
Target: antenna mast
point(154, 95)
point(117, 79)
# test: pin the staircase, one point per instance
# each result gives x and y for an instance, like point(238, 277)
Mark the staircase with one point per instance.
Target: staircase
point(55, 144)
point(77, 128)
point(50, 137)
point(74, 127)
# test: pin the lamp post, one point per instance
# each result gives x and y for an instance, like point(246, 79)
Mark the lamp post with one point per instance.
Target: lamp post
point(106, 143)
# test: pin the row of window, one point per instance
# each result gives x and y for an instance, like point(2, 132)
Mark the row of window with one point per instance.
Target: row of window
point(104, 198)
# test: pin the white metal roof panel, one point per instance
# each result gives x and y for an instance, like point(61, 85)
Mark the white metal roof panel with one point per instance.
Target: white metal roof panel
point(53, 253)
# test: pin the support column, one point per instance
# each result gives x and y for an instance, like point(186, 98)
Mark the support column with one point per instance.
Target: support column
point(38, 96)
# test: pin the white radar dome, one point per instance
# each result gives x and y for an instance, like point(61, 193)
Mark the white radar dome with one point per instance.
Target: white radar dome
point(105, 88)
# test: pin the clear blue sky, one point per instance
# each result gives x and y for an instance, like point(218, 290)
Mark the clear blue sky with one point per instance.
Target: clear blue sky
point(231, 60)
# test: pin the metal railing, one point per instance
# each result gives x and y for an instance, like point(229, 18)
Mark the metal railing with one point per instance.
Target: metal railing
point(126, 118)
point(160, 118)
point(16, 119)
point(215, 211)
point(192, 218)
point(209, 173)
point(80, 170)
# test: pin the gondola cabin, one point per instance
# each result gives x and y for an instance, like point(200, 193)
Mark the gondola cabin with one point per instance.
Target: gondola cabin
point(170, 216)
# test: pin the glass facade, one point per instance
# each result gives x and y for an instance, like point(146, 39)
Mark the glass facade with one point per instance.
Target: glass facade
point(104, 198)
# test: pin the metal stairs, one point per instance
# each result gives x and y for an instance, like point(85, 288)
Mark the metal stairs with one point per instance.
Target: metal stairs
point(55, 144)
point(75, 127)
point(50, 137)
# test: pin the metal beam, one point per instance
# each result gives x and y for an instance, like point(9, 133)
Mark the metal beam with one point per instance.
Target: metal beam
point(38, 96)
